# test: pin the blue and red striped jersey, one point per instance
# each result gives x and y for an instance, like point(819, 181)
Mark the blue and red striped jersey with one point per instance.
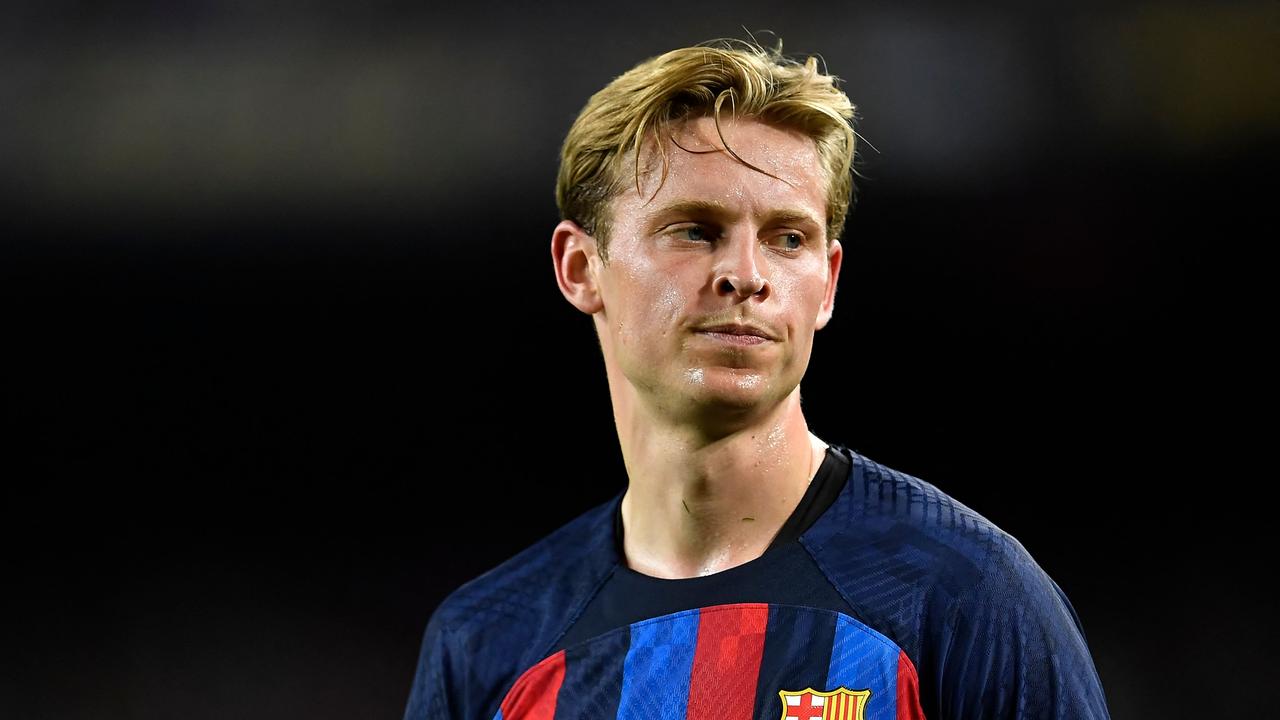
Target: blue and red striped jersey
point(721, 663)
point(896, 601)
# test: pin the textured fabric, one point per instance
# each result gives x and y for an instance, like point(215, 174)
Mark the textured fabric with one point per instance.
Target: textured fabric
point(730, 662)
point(491, 629)
point(925, 604)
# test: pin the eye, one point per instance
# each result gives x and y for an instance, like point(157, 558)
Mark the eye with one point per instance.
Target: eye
point(696, 233)
point(693, 233)
point(789, 241)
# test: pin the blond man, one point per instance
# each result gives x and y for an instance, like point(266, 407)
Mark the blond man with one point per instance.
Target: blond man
point(750, 569)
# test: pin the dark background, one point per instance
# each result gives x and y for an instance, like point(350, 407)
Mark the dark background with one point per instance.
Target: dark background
point(285, 362)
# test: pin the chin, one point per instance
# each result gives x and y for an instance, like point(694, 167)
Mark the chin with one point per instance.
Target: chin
point(729, 388)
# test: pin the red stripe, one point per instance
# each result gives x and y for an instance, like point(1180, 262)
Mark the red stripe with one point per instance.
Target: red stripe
point(726, 662)
point(533, 697)
point(908, 690)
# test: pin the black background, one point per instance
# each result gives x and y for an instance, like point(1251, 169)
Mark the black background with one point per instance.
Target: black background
point(285, 362)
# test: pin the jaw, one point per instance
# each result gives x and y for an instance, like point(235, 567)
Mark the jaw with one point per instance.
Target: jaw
point(710, 391)
point(708, 401)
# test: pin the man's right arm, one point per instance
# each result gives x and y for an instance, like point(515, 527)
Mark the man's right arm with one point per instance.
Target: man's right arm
point(429, 698)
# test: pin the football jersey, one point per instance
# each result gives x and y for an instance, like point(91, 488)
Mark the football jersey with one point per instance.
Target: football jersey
point(880, 598)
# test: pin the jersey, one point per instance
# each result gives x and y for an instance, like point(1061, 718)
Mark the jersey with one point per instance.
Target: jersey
point(882, 598)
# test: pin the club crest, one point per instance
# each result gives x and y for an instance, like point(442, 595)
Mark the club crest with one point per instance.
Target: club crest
point(810, 704)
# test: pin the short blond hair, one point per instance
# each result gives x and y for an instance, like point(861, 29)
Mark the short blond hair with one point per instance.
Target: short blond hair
point(695, 82)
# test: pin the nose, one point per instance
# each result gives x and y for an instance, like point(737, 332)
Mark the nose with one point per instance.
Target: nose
point(738, 272)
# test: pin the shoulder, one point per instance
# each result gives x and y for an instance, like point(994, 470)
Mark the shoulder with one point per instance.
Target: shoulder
point(892, 521)
point(972, 559)
point(909, 557)
point(493, 627)
point(547, 571)
point(970, 606)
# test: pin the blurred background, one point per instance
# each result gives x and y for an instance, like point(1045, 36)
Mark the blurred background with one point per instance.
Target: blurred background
point(285, 362)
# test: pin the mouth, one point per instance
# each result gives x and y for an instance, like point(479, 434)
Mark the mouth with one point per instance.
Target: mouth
point(736, 334)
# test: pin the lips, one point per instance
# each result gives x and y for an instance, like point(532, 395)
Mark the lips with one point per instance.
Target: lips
point(740, 330)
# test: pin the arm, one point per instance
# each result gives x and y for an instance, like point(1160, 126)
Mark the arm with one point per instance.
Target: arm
point(428, 699)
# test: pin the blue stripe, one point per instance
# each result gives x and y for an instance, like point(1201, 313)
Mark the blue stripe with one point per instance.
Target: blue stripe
point(863, 659)
point(655, 675)
point(499, 715)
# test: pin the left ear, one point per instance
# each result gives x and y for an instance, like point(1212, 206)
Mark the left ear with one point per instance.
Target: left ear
point(834, 256)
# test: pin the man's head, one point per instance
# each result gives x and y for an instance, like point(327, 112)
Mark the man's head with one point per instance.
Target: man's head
point(605, 150)
point(719, 204)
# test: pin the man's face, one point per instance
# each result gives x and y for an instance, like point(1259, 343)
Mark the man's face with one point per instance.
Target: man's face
point(716, 283)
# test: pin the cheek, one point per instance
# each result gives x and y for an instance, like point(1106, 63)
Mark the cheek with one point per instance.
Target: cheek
point(667, 304)
point(651, 307)
point(655, 295)
point(802, 295)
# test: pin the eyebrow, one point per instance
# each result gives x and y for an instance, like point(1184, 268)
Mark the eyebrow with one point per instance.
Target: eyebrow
point(718, 209)
point(693, 207)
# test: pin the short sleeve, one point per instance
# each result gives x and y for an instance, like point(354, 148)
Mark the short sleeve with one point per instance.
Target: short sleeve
point(428, 697)
point(1016, 649)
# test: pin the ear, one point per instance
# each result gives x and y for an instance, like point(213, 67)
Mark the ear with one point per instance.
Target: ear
point(574, 253)
point(834, 257)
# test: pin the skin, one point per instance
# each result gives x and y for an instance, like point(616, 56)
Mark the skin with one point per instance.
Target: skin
point(716, 446)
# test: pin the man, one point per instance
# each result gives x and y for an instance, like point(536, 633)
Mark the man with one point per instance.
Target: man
point(750, 570)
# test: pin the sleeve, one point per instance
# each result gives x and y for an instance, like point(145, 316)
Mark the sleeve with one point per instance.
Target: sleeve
point(428, 698)
point(1016, 649)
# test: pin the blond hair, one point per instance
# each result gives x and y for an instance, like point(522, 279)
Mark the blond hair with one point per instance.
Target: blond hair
point(694, 82)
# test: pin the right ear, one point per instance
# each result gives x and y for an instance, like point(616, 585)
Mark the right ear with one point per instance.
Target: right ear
point(573, 252)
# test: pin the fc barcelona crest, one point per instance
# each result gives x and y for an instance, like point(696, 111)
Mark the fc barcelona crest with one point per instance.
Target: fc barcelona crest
point(810, 704)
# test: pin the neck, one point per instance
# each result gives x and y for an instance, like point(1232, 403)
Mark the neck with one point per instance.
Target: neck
point(696, 503)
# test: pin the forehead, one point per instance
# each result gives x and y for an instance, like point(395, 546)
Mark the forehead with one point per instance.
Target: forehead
point(700, 168)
